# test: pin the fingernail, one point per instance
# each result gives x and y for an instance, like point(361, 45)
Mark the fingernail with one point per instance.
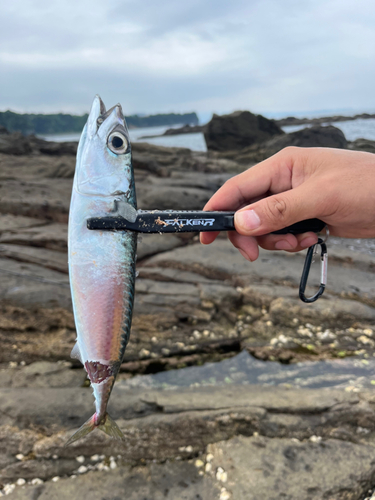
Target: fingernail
point(244, 254)
point(308, 242)
point(283, 245)
point(247, 220)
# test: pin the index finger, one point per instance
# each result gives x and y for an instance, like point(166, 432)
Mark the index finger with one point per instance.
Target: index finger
point(270, 176)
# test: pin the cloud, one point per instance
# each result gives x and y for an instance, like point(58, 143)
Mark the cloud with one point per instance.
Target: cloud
point(269, 55)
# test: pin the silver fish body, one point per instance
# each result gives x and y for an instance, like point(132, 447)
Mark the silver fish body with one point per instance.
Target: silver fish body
point(102, 263)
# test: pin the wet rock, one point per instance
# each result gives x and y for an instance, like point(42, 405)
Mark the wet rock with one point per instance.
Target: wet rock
point(238, 130)
point(259, 467)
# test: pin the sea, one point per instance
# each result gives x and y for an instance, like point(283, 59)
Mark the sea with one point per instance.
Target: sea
point(353, 129)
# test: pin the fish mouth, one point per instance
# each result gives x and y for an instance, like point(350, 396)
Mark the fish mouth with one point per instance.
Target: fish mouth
point(105, 114)
point(103, 121)
point(117, 113)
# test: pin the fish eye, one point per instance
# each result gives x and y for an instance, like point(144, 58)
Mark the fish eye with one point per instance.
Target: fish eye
point(117, 143)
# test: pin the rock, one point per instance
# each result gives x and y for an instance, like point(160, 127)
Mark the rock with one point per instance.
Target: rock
point(336, 312)
point(47, 258)
point(157, 423)
point(26, 284)
point(222, 261)
point(53, 148)
point(14, 223)
point(362, 145)
point(328, 137)
point(14, 441)
point(43, 374)
point(186, 129)
point(14, 144)
point(170, 481)
point(36, 167)
point(42, 199)
point(154, 150)
point(168, 197)
point(17, 144)
point(238, 130)
point(43, 469)
point(291, 120)
point(259, 467)
point(52, 236)
point(151, 244)
point(317, 136)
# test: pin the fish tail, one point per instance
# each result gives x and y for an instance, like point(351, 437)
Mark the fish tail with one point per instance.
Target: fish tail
point(107, 425)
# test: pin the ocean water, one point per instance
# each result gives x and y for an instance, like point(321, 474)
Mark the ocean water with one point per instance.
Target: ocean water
point(192, 141)
point(353, 129)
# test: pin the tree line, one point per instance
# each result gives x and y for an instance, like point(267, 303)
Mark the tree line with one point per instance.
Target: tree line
point(65, 123)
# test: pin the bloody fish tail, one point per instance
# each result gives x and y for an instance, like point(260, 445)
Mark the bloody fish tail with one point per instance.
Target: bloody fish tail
point(106, 425)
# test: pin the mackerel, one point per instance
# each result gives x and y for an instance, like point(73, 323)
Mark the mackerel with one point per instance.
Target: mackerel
point(102, 263)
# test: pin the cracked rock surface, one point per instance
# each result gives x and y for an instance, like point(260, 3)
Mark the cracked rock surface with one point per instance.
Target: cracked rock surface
point(231, 388)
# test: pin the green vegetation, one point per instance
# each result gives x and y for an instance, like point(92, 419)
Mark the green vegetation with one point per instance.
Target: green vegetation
point(162, 119)
point(62, 123)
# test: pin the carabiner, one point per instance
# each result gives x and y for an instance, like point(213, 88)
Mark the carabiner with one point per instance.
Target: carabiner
point(306, 271)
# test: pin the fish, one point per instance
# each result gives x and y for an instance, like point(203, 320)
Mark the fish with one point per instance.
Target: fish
point(102, 263)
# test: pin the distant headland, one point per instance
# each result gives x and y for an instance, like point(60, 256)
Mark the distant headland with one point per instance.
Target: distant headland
point(66, 123)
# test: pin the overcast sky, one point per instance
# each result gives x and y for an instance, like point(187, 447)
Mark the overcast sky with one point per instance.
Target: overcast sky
point(268, 56)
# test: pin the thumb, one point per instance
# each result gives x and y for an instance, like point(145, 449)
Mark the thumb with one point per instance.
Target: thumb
point(278, 211)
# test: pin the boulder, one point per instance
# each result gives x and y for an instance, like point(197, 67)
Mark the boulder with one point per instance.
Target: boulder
point(363, 145)
point(311, 137)
point(317, 136)
point(53, 148)
point(239, 130)
point(14, 144)
point(17, 144)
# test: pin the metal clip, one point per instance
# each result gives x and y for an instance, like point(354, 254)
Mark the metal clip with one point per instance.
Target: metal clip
point(306, 271)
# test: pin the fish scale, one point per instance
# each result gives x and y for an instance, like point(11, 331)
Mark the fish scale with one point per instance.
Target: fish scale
point(102, 263)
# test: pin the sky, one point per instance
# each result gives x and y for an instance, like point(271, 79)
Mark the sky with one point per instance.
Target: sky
point(275, 57)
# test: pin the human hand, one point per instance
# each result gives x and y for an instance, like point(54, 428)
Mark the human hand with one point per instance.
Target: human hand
point(334, 185)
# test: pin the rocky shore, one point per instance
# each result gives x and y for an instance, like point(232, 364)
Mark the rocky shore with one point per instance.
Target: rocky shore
point(231, 388)
point(292, 120)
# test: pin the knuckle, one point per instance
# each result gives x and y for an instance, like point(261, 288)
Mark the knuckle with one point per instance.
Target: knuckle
point(290, 149)
point(277, 209)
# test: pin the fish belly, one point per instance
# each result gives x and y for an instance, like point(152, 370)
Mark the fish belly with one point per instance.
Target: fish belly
point(102, 275)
